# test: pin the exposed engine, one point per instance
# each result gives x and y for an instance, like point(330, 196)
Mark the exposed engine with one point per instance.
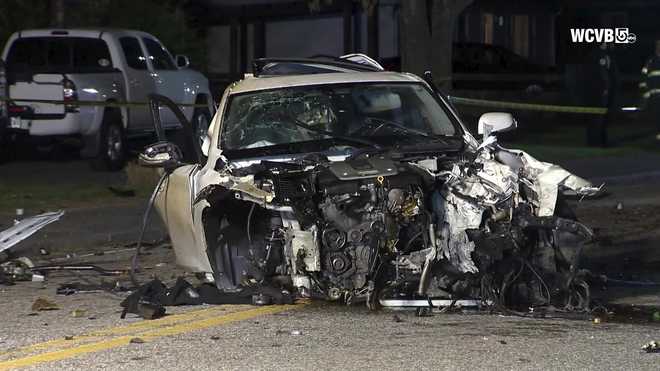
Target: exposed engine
point(491, 228)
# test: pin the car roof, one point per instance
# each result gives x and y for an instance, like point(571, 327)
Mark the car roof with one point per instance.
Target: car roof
point(75, 32)
point(250, 84)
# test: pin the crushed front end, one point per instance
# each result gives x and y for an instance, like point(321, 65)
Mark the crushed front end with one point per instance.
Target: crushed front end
point(490, 225)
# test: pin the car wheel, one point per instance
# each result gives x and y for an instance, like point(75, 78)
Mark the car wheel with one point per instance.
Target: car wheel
point(111, 155)
point(201, 121)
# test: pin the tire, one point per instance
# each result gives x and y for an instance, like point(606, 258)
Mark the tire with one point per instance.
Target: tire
point(111, 155)
point(201, 121)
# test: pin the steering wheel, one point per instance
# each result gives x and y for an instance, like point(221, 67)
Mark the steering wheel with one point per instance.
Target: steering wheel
point(370, 127)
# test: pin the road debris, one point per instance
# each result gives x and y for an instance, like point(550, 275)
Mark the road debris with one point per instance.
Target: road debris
point(18, 270)
point(78, 267)
point(137, 341)
point(79, 288)
point(153, 296)
point(42, 304)
point(77, 313)
point(26, 228)
point(651, 347)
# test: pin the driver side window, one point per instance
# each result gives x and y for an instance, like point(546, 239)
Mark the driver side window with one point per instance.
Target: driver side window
point(159, 57)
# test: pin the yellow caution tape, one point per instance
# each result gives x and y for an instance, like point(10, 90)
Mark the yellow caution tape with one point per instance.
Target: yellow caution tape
point(456, 100)
point(528, 106)
point(92, 103)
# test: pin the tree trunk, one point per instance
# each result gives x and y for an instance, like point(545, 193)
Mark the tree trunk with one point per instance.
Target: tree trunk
point(415, 37)
point(445, 14)
point(58, 13)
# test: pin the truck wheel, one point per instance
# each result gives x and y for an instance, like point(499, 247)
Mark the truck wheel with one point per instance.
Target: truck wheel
point(201, 121)
point(111, 155)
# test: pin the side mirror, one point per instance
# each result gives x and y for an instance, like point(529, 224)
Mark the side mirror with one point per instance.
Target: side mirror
point(162, 154)
point(496, 122)
point(182, 61)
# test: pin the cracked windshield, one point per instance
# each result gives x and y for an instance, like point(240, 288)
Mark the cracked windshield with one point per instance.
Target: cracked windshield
point(383, 113)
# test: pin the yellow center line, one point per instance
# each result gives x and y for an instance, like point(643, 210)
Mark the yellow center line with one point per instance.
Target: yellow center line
point(158, 332)
point(123, 330)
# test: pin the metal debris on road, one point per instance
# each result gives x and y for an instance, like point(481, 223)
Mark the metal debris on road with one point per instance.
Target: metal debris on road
point(78, 267)
point(79, 288)
point(651, 347)
point(26, 228)
point(17, 270)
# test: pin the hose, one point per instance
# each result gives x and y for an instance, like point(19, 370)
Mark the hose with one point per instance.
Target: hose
point(143, 228)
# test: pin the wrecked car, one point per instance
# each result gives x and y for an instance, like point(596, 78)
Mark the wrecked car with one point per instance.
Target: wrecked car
point(354, 184)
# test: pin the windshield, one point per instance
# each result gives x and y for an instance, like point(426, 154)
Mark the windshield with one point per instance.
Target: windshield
point(358, 114)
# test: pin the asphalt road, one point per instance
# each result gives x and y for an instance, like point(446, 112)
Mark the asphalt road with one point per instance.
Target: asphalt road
point(308, 336)
point(87, 333)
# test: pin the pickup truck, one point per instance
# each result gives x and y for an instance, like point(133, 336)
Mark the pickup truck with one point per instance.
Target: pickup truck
point(105, 66)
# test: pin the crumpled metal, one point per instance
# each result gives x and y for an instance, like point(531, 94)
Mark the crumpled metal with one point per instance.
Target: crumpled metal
point(547, 180)
point(466, 194)
point(462, 202)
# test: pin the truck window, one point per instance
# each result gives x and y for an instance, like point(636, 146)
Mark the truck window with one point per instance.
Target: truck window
point(134, 57)
point(91, 54)
point(58, 55)
point(160, 58)
point(27, 54)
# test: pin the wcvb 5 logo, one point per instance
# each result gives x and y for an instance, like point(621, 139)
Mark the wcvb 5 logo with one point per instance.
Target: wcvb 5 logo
point(601, 35)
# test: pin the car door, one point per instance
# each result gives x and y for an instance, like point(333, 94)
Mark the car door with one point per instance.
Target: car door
point(167, 79)
point(175, 205)
point(139, 82)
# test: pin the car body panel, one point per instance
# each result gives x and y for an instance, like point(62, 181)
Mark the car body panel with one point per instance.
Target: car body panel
point(174, 203)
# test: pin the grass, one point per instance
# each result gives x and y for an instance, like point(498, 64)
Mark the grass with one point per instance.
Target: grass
point(554, 140)
point(35, 197)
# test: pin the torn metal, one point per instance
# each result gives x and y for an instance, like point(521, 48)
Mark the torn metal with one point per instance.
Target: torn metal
point(26, 228)
point(473, 228)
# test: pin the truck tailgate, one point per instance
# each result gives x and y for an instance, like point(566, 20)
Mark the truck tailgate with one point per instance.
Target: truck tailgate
point(42, 86)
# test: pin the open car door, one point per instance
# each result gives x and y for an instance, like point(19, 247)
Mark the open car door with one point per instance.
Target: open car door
point(176, 191)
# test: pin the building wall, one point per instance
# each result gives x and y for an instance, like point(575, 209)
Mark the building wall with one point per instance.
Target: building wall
point(304, 37)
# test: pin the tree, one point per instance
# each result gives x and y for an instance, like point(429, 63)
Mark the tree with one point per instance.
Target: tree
point(163, 19)
point(427, 30)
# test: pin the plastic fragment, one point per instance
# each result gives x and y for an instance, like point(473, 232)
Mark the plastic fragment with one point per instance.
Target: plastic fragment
point(651, 347)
